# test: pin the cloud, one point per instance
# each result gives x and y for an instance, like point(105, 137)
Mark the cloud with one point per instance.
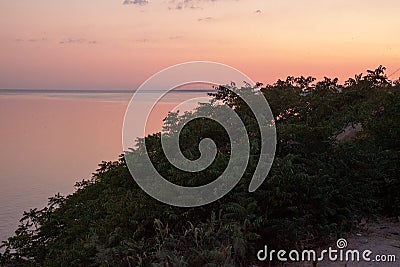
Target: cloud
point(173, 4)
point(31, 40)
point(185, 4)
point(177, 37)
point(143, 40)
point(177, 4)
point(206, 19)
point(77, 41)
point(152, 40)
point(135, 2)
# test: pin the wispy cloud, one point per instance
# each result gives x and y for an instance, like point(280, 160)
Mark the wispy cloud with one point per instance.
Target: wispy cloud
point(135, 2)
point(185, 4)
point(31, 40)
point(77, 41)
point(180, 4)
point(153, 40)
point(177, 37)
point(142, 40)
point(206, 19)
point(174, 4)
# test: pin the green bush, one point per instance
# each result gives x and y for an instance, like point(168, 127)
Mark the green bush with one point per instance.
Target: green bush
point(318, 187)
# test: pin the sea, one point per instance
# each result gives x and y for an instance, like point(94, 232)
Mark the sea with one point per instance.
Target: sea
point(50, 139)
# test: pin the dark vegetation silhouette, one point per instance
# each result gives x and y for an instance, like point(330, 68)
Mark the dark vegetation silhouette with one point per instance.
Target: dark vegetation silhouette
point(319, 187)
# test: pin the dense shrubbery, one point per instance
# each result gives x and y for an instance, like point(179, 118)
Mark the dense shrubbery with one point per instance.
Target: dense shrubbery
point(318, 187)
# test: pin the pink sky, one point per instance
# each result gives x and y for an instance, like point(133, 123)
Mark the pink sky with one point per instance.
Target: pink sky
point(104, 44)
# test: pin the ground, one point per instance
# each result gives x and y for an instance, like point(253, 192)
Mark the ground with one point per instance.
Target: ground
point(382, 237)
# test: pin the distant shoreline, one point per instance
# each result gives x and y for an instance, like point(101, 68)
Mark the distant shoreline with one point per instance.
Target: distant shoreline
point(73, 91)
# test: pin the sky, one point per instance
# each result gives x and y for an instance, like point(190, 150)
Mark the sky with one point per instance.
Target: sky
point(106, 44)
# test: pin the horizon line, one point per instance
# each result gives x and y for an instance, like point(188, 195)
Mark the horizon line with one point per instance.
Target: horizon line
point(105, 91)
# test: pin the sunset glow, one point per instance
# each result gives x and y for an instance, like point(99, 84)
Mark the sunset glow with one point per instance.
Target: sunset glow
point(108, 45)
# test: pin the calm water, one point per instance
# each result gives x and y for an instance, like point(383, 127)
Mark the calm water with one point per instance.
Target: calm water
point(51, 139)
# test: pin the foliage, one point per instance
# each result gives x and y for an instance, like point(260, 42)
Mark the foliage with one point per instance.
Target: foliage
point(318, 187)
